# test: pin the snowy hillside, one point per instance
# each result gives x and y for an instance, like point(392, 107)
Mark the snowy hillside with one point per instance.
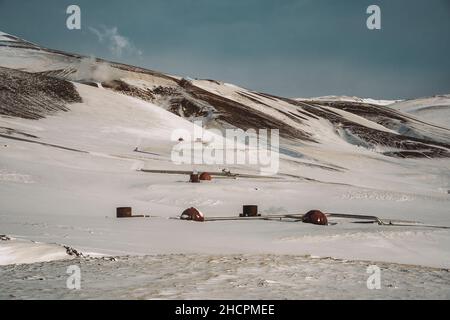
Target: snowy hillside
point(350, 99)
point(75, 133)
point(432, 109)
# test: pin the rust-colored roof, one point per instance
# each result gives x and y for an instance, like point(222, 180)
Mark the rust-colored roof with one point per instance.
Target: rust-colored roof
point(192, 214)
point(205, 176)
point(315, 217)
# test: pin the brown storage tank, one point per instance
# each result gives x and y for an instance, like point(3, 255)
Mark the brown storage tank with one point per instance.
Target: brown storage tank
point(194, 178)
point(249, 211)
point(123, 212)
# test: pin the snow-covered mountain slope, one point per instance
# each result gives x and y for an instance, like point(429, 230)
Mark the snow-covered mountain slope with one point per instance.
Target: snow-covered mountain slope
point(69, 126)
point(380, 102)
point(359, 123)
point(431, 109)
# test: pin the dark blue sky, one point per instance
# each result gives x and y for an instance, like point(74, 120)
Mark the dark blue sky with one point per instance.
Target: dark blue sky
point(289, 47)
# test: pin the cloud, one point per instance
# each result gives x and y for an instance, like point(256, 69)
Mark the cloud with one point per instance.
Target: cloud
point(117, 43)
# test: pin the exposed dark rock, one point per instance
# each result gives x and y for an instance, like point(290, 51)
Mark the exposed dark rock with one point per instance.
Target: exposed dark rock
point(408, 146)
point(165, 91)
point(253, 99)
point(125, 88)
point(34, 96)
point(4, 237)
point(72, 252)
point(240, 115)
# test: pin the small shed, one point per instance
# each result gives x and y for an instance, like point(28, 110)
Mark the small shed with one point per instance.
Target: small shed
point(123, 212)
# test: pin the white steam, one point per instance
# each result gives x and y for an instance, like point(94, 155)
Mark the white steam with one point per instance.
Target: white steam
point(89, 69)
point(117, 43)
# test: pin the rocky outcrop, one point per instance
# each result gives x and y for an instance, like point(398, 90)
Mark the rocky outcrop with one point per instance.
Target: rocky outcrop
point(34, 96)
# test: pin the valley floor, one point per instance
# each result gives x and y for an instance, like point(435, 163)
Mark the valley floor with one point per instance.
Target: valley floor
point(222, 277)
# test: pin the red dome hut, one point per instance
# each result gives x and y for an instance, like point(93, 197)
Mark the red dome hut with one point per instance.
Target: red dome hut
point(192, 214)
point(205, 176)
point(315, 217)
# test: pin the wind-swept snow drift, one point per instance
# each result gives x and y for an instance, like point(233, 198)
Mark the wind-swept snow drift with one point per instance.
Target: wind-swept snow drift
point(432, 109)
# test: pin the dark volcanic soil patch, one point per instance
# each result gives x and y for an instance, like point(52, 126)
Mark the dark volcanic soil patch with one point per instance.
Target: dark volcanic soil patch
point(249, 97)
point(180, 103)
point(125, 88)
point(183, 107)
point(34, 96)
point(241, 116)
point(416, 147)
